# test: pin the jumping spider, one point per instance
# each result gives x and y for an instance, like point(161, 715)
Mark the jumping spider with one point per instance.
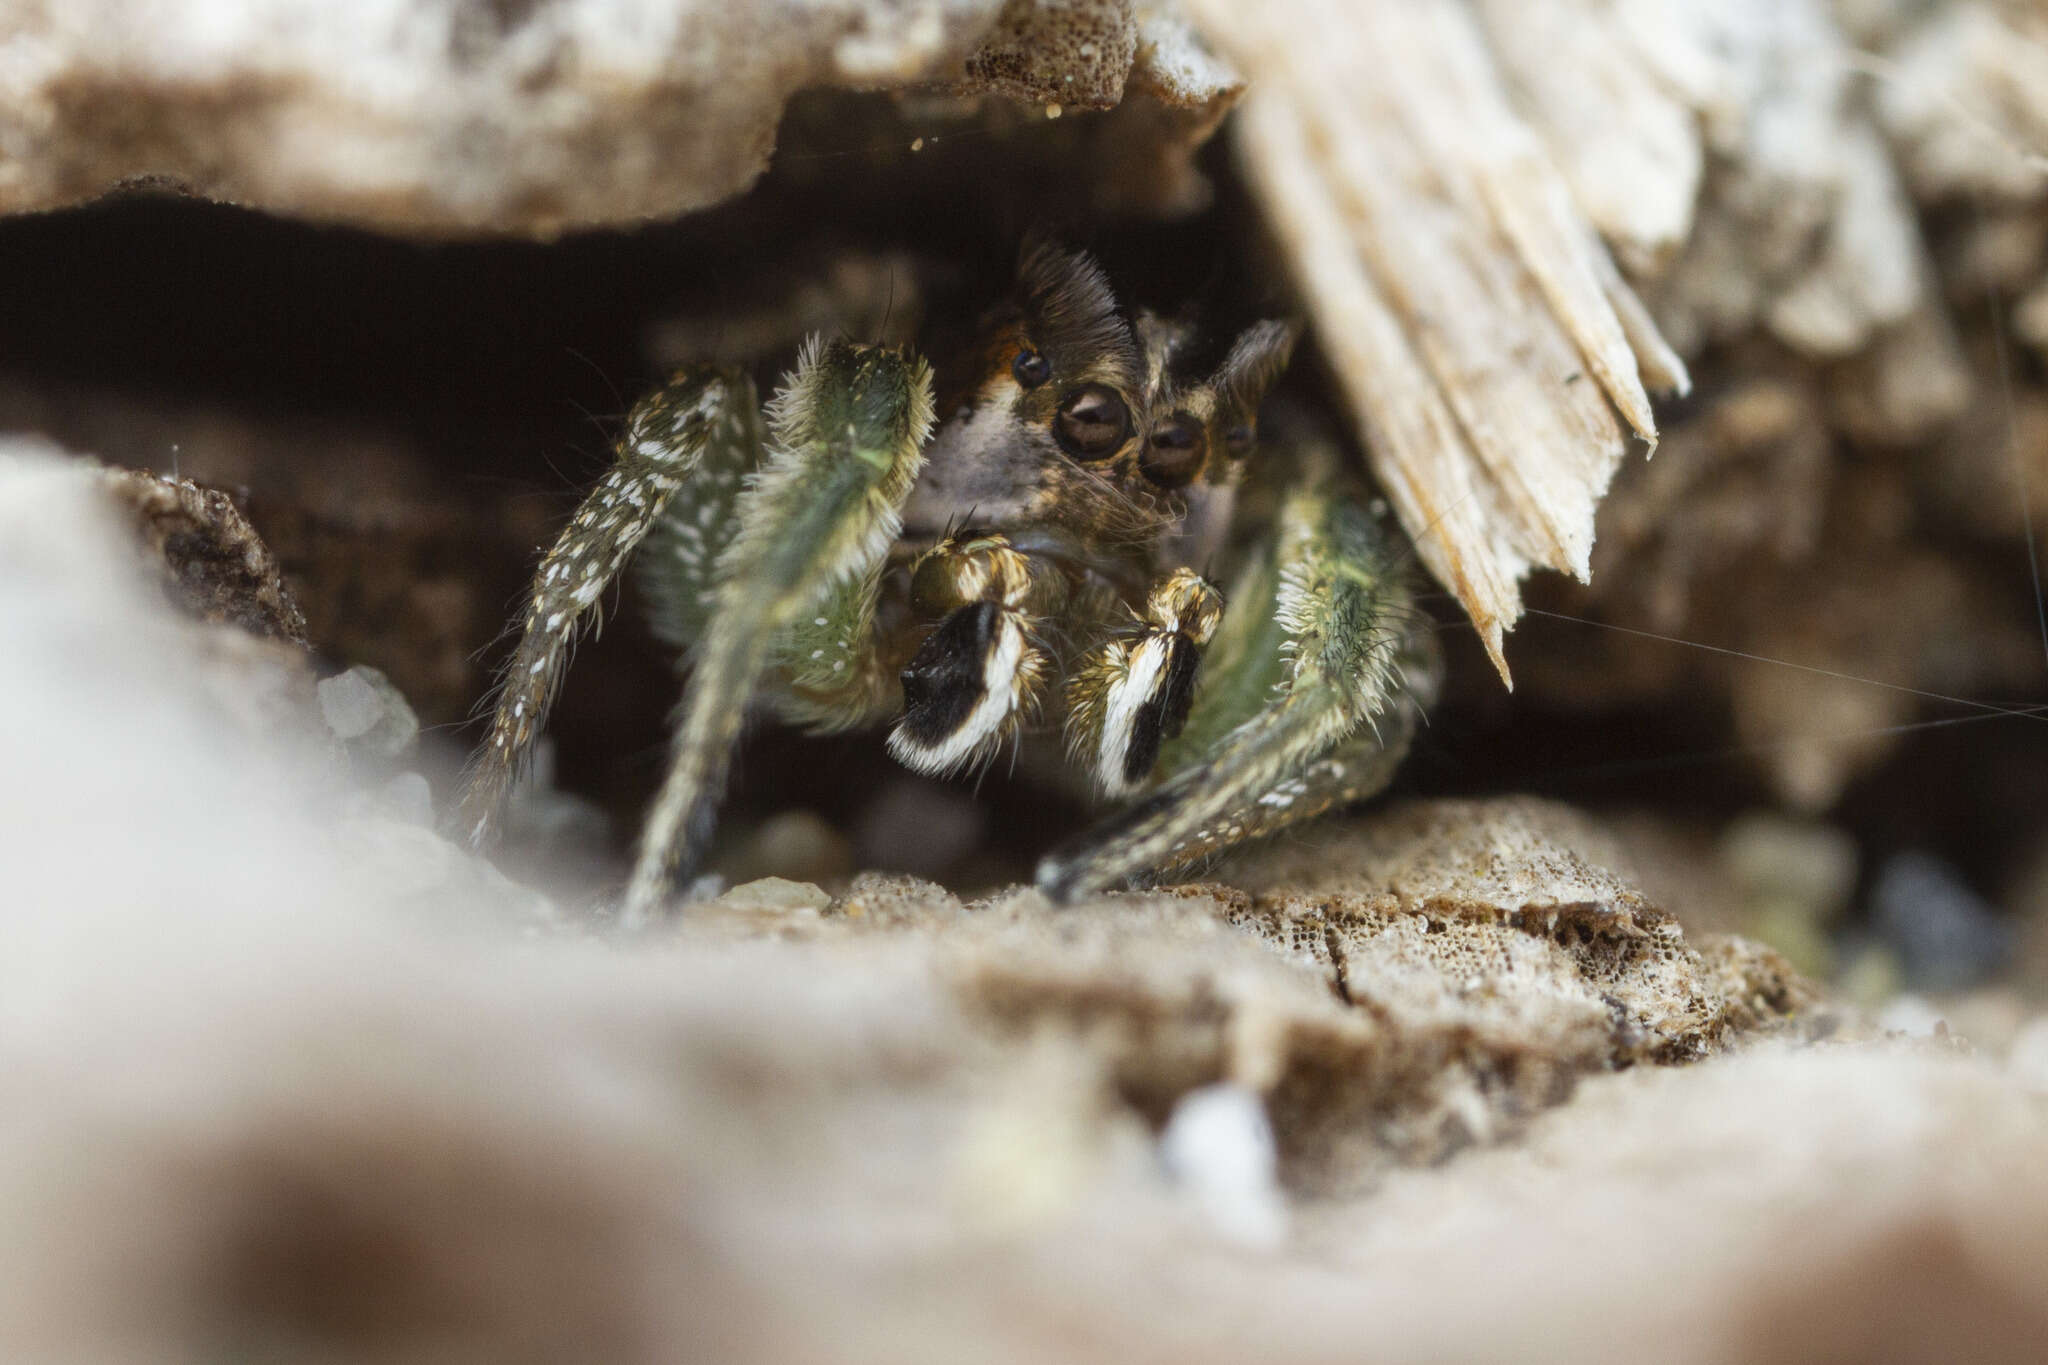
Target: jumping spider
point(1032, 563)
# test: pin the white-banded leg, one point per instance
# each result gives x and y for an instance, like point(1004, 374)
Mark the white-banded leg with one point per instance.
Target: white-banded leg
point(979, 673)
point(1315, 700)
point(666, 439)
point(848, 439)
point(1133, 693)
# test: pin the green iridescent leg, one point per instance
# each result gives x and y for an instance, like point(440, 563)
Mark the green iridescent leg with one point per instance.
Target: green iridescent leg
point(828, 673)
point(830, 676)
point(1309, 699)
point(701, 418)
point(848, 435)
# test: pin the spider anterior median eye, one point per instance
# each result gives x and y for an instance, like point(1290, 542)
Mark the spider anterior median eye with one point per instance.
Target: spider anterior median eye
point(1092, 422)
point(1030, 368)
point(1173, 454)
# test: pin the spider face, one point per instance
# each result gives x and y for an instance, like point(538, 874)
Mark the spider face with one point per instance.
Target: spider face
point(1048, 425)
point(1035, 566)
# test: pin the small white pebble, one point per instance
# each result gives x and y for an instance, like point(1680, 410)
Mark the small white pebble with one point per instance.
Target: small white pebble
point(1218, 1146)
point(1913, 1015)
point(408, 797)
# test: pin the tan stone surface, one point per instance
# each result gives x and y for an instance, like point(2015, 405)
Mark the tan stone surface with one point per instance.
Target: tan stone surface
point(440, 117)
point(283, 1082)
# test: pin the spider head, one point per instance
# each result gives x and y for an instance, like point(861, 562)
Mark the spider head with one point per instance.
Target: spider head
point(1080, 429)
point(1050, 418)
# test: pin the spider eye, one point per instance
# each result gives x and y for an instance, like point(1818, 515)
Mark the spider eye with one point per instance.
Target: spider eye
point(1173, 454)
point(1092, 423)
point(1030, 368)
point(1239, 440)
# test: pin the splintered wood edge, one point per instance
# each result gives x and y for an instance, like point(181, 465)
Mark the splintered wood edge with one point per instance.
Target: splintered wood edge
point(1481, 515)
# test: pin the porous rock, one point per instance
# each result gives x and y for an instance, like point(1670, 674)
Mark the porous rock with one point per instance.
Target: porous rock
point(214, 564)
point(1422, 980)
point(210, 563)
point(454, 116)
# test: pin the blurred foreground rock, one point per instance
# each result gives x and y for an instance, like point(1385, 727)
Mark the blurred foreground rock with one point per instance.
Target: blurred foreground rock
point(284, 1084)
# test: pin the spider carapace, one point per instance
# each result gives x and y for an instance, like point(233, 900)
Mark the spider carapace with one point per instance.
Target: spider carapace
point(1035, 565)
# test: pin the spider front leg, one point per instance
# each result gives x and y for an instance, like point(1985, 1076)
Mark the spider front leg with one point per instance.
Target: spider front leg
point(1134, 691)
point(1317, 681)
point(848, 434)
point(979, 673)
point(702, 419)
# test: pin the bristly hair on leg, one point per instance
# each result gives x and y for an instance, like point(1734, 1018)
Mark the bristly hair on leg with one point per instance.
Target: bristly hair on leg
point(1348, 634)
point(848, 433)
point(677, 567)
point(664, 441)
point(832, 672)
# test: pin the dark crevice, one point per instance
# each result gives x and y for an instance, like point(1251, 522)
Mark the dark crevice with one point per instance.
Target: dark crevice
point(1340, 967)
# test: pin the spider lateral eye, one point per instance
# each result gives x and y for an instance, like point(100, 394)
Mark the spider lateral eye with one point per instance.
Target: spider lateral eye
point(1240, 439)
point(1030, 368)
point(1173, 453)
point(1092, 422)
